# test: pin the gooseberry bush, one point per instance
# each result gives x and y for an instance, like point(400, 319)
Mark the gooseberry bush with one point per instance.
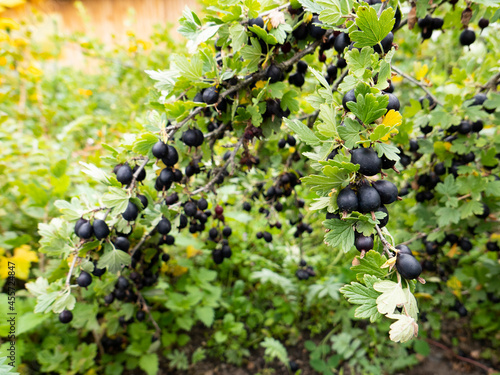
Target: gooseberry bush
point(286, 138)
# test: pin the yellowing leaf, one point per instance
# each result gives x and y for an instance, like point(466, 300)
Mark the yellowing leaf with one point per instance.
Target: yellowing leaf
point(454, 283)
point(21, 261)
point(179, 270)
point(191, 251)
point(420, 70)
point(260, 84)
point(453, 251)
point(447, 146)
point(392, 118)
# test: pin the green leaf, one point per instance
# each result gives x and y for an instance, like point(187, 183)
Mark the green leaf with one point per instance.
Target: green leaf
point(71, 211)
point(238, 35)
point(447, 215)
point(359, 61)
point(289, 100)
point(370, 264)
point(114, 259)
point(390, 151)
point(144, 143)
point(149, 363)
point(117, 199)
point(97, 174)
point(311, 6)
point(281, 32)
point(371, 29)
point(205, 314)
point(44, 302)
point(350, 132)
point(192, 69)
point(334, 10)
point(328, 126)
point(274, 349)
point(251, 55)
point(392, 296)
point(470, 208)
point(29, 321)
point(263, 35)
point(368, 108)
point(303, 132)
point(365, 296)
point(65, 301)
point(321, 79)
point(341, 234)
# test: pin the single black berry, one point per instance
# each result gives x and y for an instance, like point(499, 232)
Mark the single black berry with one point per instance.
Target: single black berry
point(84, 279)
point(217, 256)
point(85, 231)
point(387, 190)
point(122, 243)
point(274, 74)
point(190, 208)
point(393, 102)
point(386, 43)
point(348, 97)
point(363, 243)
point(256, 22)
point(368, 199)
point(385, 220)
point(131, 212)
point(140, 316)
point(124, 174)
point(408, 266)
point(164, 226)
point(369, 162)
point(316, 31)
point(227, 231)
point(211, 95)
point(347, 200)
point(268, 237)
point(467, 37)
point(171, 158)
point(247, 206)
point(65, 316)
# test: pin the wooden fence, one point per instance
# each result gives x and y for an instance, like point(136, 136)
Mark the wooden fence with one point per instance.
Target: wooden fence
point(107, 19)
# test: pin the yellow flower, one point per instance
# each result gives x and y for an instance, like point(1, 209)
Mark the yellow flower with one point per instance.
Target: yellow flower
point(145, 45)
point(132, 48)
point(19, 42)
point(8, 23)
point(85, 92)
point(21, 261)
point(3, 61)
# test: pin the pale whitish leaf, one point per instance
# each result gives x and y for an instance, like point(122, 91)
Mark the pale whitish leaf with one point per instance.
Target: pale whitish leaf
point(274, 349)
point(311, 6)
point(97, 174)
point(155, 120)
point(144, 143)
point(6, 369)
point(265, 275)
point(320, 78)
point(319, 291)
point(371, 29)
point(38, 287)
point(117, 199)
point(238, 35)
point(319, 203)
point(165, 80)
point(302, 131)
point(55, 236)
point(44, 302)
point(364, 295)
point(65, 301)
point(71, 211)
point(404, 329)
point(206, 34)
point(341, 234)
point(411, 304)
point(205, 314)
point(114, 260)
point(392, 296)
point(358, 61)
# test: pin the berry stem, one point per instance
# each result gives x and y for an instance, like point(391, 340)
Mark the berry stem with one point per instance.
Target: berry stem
point(415, 82)
point(70, 272)
point(491, 84)
point(146, 308)
point(137, 172)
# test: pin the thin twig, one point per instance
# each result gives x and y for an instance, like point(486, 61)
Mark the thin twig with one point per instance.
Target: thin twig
point(141, 242)
point(138, 172)
point(386, 244)
point(381, 9)
point(70, 272)
point(468, 360)
point(491, 84)
point(146, 308)
point(212, 182)
point(419, 236)
point(419, 84)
